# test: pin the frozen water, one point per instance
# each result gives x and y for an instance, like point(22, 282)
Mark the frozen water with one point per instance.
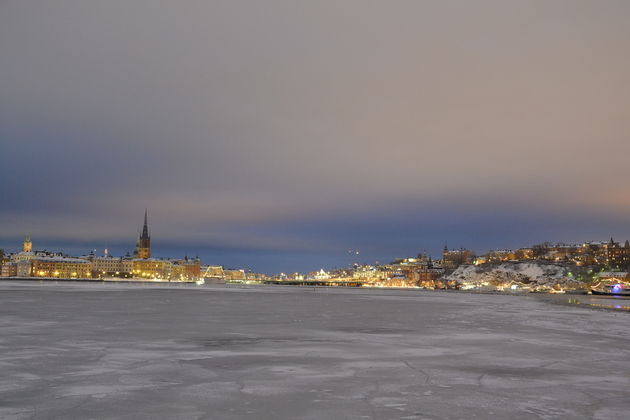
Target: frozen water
point(78, 351)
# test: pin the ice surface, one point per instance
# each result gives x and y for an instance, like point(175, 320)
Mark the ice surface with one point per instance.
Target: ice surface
point(79, 351)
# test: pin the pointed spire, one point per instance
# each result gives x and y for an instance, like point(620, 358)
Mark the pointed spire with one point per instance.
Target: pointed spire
point(145, 228)
point(143, 246)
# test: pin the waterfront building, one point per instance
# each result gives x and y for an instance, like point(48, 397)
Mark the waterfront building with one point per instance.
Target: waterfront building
point(172, 270)
point(9, 269)
point(212, 272)
point(107, 266)
point(617, 254)
point(186, 269)
point(367, 272)
point(232, 274)
point(178, 273)
point(152, 268)
point(56, 266)
point(24, 268)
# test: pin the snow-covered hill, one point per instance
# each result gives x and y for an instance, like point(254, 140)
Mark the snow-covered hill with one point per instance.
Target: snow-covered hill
point(534, 275)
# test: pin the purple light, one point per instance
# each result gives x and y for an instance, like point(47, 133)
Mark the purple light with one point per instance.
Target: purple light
point(616, 288)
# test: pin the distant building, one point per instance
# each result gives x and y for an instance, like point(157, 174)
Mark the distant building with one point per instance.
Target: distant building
point(321, 275)
point(171, 270)
point(617, 254)
point(24, 268)
point(60, 267)
point(106, 266)
point(27, 253)
point(186, 269)
point(9, 269)
point(609, 253)
point(152, 268)
point(367, 272)
point(212, 272)
point(564, 252)
point(232, 274)
point(455, 258)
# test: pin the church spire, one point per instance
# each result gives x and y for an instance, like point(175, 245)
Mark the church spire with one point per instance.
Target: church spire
point(143, 246)
point(145, 228)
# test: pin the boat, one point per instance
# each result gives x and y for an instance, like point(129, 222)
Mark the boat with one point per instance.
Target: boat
point(618, 289)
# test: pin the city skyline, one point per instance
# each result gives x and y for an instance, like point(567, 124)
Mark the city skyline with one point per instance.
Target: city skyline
point(388, 128)
point(353, 258)
point(280, 209)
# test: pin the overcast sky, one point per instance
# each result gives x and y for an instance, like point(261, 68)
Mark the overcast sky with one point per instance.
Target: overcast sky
point(277, 135)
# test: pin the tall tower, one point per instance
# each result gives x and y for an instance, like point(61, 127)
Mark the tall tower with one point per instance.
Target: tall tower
point(143, 247)
point(27, 246)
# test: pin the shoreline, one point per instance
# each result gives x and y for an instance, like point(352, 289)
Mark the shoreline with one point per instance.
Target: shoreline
point(91, 280)
point(581, 300)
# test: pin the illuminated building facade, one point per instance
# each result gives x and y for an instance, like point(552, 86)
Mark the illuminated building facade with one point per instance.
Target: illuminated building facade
point(172, 270)
point(9, 269)
point(186, 269)
point(455, 258)
point(617, 254)
point(231, 274)
point(111, 266)
point(212, 272)
point(152, 268)
point(60, 267)
point(29, 263)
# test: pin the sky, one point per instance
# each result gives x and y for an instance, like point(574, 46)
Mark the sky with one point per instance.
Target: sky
point(282, 135)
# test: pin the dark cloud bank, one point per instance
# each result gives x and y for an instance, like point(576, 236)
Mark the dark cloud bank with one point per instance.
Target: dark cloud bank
point(277, 135)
